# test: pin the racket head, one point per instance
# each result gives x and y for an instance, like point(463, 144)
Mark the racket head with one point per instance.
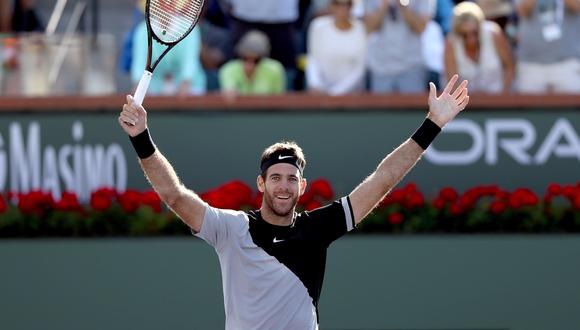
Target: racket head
point(169, 21)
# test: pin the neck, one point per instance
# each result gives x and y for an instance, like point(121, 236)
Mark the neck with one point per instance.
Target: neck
point(272, 218)
point(342, 24)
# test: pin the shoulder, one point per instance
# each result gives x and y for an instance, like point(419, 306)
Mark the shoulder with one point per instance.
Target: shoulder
point(321, 22)
point(494, 30)
point(272, 65)
point(226, 213)
point(491, 27)
point(231, 66)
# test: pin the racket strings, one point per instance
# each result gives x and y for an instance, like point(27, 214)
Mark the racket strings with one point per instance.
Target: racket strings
point(171, 20)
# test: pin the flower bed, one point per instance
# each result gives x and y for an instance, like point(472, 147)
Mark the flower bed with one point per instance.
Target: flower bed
point(484, 209)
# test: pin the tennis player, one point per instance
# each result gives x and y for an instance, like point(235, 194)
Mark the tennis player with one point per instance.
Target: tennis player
point(273, 259)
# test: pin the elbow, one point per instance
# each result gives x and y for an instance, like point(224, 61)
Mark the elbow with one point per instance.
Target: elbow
point(171, 197)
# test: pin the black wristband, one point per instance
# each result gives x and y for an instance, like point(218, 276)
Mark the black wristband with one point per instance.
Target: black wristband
point(143, 144)
point(426, 133)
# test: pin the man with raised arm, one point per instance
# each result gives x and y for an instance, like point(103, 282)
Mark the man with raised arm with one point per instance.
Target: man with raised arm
point(273, 259)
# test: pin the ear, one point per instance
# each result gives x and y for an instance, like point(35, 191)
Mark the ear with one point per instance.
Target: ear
point(261, 184)
point(303, 184)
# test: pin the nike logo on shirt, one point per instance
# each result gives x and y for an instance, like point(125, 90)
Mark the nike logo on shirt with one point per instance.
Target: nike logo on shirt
point(277, 240)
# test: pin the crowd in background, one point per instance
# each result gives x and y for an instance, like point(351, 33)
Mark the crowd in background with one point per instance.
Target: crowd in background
point(340, 47)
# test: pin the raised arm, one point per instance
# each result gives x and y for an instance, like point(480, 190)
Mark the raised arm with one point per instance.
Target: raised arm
point(182, 201)
point(416, 22)
point(393, 168)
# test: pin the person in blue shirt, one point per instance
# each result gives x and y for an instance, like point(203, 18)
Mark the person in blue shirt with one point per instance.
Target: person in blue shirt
point(179, 73)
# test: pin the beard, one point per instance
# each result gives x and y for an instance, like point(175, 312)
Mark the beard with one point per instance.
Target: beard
point(280, 208)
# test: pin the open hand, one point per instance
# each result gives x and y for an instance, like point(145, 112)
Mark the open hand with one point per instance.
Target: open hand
point(133, 118)
point(444, 108)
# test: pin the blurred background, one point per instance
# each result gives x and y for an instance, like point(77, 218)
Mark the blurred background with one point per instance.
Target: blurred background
point(482, 233)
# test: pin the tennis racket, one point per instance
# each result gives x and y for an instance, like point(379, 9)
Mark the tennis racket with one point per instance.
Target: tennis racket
point(168, 22)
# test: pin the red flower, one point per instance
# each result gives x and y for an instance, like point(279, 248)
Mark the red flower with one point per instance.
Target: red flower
point(455, 209)
point(306, 198)
point(569, 192)
point(410, 187)
point(240, 193)
point(497, 207)
point(448, 194)
point(312, 205)
point(396, 196)
point(414, 199)
point(577, 202)
point(396, 218)
point(68, 203)
point(439, 203)
point(322, 188)
point(522, 197)
point(3, 205)
point(35, 202)
point(102, 199)
point(554, 189)
point(151, 199)
point(258, 200)
point(130, 200)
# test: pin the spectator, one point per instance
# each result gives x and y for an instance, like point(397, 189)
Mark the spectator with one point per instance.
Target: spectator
point(126, 55)
point(179, 72)
point(253, 72)
point(24, 17)
point(333, 68)
point(433, 47)
point(549, 48)
point(276, 19)
point(5, 17)
point(394, 51)
point(444, 14)
point(478, 51)
point(215, 37)
point(501, 12)
point(498, 11)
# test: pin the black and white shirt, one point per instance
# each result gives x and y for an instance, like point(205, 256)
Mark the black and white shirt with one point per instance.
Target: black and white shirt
point(272, 275)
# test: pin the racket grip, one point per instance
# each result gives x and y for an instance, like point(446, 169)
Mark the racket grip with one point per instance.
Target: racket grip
point(142, 87)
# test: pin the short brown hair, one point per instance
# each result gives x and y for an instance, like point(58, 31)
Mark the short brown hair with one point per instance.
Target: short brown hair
point(286, 148)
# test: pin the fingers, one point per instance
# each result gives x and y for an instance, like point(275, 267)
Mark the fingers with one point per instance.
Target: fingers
point(461, 105)
point(128, 118)
point(432, 91)
point(461, 89)
point(450, 84)
point(131, 113)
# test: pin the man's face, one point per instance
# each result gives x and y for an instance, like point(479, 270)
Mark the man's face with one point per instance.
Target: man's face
point(282, 188)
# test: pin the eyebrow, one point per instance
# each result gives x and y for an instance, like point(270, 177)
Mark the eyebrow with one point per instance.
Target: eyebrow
point(278, 174)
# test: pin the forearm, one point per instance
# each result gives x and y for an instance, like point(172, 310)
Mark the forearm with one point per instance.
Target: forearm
point(526, 7)
point(391, 170)
point(508, 77)
point(573, 5)
point(416, 22)
point(374, 20)
point(395, 166)
point(162, 177)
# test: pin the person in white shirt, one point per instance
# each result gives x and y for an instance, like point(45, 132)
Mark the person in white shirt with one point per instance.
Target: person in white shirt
point(336, 51)
point(478, 51)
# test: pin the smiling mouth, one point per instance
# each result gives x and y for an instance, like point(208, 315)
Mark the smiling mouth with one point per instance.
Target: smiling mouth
point(283, 197)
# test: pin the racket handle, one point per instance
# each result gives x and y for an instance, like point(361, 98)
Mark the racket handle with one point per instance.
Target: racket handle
point(142, 87)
